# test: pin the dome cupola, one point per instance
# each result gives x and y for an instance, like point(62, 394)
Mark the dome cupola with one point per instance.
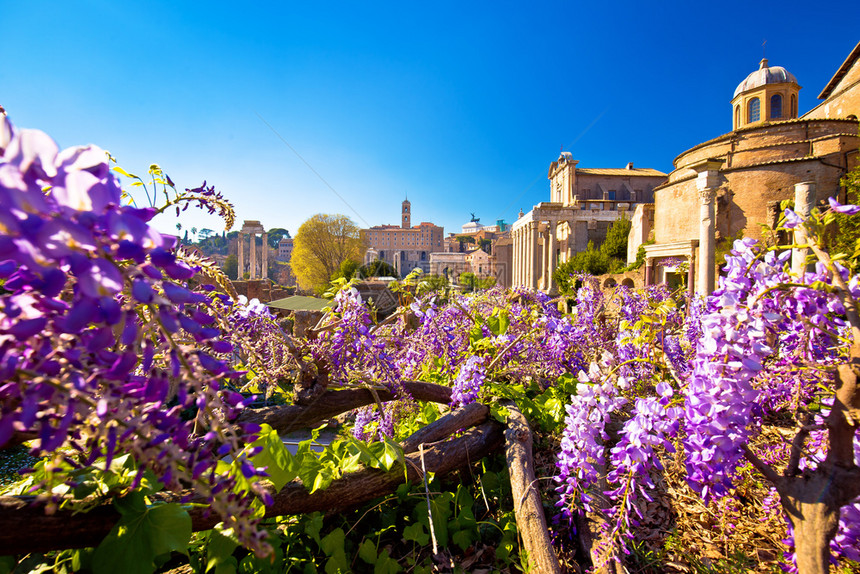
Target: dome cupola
point(768, 94)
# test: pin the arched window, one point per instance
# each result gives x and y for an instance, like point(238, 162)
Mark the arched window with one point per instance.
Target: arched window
point(793, 106)
point(775, 107)
point(382, 254)
point(753, 110)
point(737, 117)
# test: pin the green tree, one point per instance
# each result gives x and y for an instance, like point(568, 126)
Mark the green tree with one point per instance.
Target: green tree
point(231, 266)
point(615, 244)
point(347, 270)
point(322, 243)
point(591, 261)
point(378, 268)
point(276, 234)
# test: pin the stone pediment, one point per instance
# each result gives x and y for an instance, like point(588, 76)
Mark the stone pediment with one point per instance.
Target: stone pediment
point(252, 226)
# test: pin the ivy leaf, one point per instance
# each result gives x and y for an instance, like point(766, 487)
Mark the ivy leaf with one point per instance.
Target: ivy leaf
point(274, 455)
point(142, 534)
point(416, 533)
point(351, 463)
point(499, 321)
point(463, 538)
point(367, 551)
point(385, 564)
point(476, 334)
point(333, 546)
point(219, 552)
point(498, 412)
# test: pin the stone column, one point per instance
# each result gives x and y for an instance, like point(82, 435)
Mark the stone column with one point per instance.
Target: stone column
point(544, 274)
point(706, 242)
point(551, 231)
point(804, 201)
point(528, 256)
point(521, 262)
point(253, 257)
point(706, 183)
point(265, 270)
point(649, 271)
point(535, 253)
point(515, 258)
point(690, 277)
point(240, 243)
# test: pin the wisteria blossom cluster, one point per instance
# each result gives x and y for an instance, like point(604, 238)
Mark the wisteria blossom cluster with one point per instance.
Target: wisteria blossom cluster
point(258, 343)
point(104, 348)
point(763, 344)
point(349, 348)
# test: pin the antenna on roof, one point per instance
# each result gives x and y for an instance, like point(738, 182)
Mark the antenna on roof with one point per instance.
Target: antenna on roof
point(763, 46)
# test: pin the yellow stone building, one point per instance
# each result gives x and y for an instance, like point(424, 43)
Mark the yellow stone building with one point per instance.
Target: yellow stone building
point(731, 185)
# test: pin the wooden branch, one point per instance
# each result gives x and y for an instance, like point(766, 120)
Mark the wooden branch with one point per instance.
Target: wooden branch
point(332, 403)
point(462, 418)
point(797, 445)
point(769, 473)
point(28, 529)
point(531, 522)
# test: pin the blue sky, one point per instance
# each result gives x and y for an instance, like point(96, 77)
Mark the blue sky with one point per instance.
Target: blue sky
point(461, 106)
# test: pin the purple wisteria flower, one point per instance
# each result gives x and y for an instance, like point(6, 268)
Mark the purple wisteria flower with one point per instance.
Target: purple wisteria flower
point(101, 349)
point(846, 209)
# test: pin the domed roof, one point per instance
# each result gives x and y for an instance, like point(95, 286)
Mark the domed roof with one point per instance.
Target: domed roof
point(765, 75)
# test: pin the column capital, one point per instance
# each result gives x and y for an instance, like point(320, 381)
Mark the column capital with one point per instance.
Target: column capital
point(707, 195)
point(709, 173)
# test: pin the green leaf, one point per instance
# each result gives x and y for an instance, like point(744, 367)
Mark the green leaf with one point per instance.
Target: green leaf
point(499, 321)
point(333, 546)
point(7, 563)
point(498, 412)
point(463, 538)
point(385, 564)
point(416, 533)
point(476, 334)
point(219, 552)
point(142, 534)
point(313, 525)
point(367, 551)
point(275, 457)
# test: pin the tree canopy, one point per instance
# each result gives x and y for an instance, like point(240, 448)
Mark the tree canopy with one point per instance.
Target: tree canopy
point(322, 243)
point(609, 258)
point(378, 268)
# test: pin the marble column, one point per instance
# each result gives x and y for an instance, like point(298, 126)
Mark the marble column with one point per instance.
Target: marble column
point(253, 258)
point(527, 255)
point(707, 182)
point(691, 274)
point(551, 231)
point(515, 259)
point(706, 242)
point(265, 269)
point(544, 261)
point(535, 254)
point(521, 260)
point(240, 244)
point(804, 201)
point(649, 271)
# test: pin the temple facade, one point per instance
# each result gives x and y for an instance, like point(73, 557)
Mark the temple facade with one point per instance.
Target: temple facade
point(584, 203)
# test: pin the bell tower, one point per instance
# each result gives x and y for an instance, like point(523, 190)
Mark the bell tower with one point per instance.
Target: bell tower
point(405, 216)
